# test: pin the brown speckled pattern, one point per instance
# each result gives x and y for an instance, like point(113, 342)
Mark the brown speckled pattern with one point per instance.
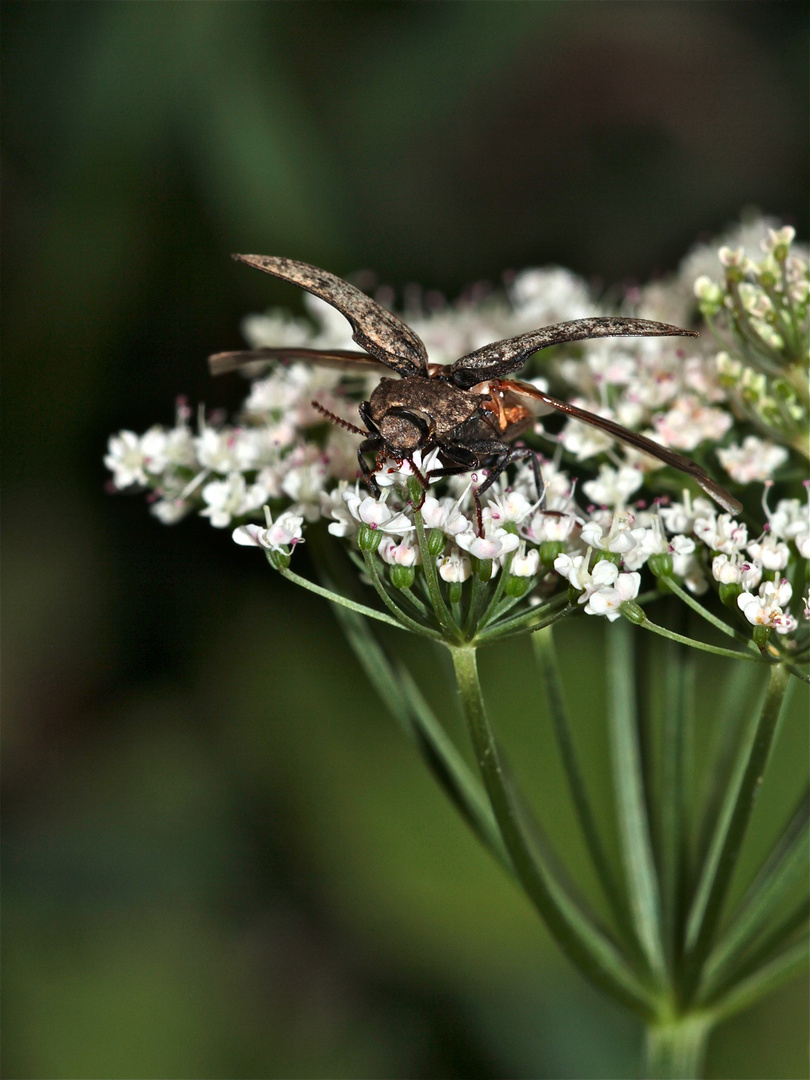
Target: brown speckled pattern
point(443, 403)
point(383, 334)
point(503, 357)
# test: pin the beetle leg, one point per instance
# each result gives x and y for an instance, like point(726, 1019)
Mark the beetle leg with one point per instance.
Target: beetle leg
point(370, 445)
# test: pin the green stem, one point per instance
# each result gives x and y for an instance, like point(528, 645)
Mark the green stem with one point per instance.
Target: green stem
point(503, 574)
point(780, 970)
point(721, 859)
point(585, 943)
point(528, 621)
point(675, 1049)
point(695, 605)
point(631, 807)
point(675, 713)
point(543, 643)
point(700, 645)
point(443, 616)
point(400, 693)
point(361, 609)
point(404, 620)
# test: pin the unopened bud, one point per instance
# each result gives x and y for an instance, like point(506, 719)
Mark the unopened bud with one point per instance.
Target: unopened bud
point(436, 542)
point(631, 611)
point(484, 569)
point(728, 594)
point(517, 586)
point(661, 564)
point(549, 550)
point(607, 556)
point(402, 577)
point(368, 539)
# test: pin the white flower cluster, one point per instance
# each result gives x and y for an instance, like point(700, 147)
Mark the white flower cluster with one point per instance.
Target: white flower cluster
point(592, 535)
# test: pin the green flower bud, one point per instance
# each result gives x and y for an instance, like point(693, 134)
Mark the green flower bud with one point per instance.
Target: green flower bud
point(767, 279)
point(484, 569)
point(549, 550)
point(607, 556)
point(661, 564)
point(728, 594)
point(368, 539)
point(517, 586)
point(416, 492)
point(402, 577)
point(631, 611)
point(454, 591)
point(437, 542)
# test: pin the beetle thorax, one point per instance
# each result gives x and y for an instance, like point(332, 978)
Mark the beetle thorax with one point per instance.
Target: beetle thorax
point(418, 410)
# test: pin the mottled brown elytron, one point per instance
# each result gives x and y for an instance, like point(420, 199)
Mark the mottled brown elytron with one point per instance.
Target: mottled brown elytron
point(468, 411)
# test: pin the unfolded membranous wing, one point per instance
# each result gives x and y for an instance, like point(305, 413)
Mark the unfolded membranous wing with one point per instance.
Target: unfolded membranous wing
point(622, 434)
point(504, 357)
point(375, 329)
point(347, 360)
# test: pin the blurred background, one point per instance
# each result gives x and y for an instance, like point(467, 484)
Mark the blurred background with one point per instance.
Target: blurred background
point(221, 857)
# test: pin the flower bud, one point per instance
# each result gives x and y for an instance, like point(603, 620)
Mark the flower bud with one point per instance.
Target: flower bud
point(633, 612)
point(607, 556)
point(416, 493)
point(517, 586)
point(368, 539)
point(728, 593)
point(661, 564)
point(402, 577)
point(549, 550)
point(436, 542)
point(709, 295)
point(484, 569)
point(454, 591)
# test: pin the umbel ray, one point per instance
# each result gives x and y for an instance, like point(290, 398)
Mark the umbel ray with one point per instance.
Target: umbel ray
point(468, 410)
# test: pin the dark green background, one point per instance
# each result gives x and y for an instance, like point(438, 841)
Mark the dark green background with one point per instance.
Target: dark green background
point(221, 858)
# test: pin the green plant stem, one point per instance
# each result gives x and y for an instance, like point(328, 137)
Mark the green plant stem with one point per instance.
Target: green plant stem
point(443, 616)
point(361, 609)
point(701, 646)
point(585, 943)
point(675, 1049)
point(780, 970)
point(628, 783)
point(718, 624)
point(721, 860)
point(400, 693)
point(404, 620)
point(528, 621)
point(675, 716)
point(503, 575)
point(784, 868)
point(543, 644)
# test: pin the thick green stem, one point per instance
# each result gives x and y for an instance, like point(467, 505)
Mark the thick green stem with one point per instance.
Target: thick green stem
point(675, 1049)
point(586, 944)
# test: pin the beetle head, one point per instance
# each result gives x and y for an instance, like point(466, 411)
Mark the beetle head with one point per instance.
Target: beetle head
point(404, 431)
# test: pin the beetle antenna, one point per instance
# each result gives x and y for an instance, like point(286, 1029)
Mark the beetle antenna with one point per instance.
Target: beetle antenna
point(337, 419)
